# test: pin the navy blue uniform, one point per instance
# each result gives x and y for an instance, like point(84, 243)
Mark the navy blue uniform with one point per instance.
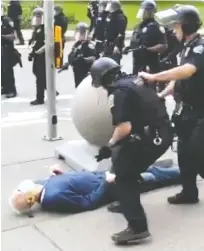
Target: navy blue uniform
point(190, 123)
point(115, 34)
point(139, 105)
point(148, 34)
point(7, 52)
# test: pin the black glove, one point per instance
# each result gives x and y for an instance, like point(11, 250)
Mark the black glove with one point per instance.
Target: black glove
point(64, 67)
point(126, 50)
point(104, 153)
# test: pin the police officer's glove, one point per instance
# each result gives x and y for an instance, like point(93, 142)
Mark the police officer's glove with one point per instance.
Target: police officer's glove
point(126, 50)
point(104, 153)
point(64, 67)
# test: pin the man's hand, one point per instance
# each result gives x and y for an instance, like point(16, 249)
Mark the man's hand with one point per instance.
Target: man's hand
point(126, 50)
point(147, 76)
point(55, 170)
point(104, 153)
point(110, 177)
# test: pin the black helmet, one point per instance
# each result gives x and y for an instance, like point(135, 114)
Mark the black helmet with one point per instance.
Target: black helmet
point(148, 5)
point(189, 18)
point(102, 68)
point(186, 15)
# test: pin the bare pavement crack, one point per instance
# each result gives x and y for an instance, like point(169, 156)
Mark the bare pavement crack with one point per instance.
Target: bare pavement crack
point(47, 237)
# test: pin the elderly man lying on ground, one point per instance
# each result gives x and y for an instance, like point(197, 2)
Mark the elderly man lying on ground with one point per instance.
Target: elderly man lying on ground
point(73, 192)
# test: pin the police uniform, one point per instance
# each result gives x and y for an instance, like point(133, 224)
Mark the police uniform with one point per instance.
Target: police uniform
point(99, 32)
point(7, 53)
point(115, 34)
point(39, 70)
point(61, 20)
point(77, 59)
point(148, 34)
point(15, 12)
point(190, 121)
point(140, 106)
point(92, 13)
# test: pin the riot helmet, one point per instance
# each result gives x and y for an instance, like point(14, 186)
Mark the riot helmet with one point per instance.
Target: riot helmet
point(38, 14)
point(183, 17)
point(81, 31)
point(103, 72)
point(147, 10)
point(102, 5)
point(113, 6)
point(57, 10)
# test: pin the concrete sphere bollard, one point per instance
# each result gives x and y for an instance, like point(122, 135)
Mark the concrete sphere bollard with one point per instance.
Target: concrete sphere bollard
point(91, 113)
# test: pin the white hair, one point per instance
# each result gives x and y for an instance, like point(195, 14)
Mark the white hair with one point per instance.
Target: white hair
point(13, 206)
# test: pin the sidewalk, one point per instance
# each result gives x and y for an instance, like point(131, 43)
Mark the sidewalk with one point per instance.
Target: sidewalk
point(70, 34)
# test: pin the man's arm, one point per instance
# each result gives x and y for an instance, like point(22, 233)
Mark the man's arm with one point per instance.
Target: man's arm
point(168, 90)
point(193, 63)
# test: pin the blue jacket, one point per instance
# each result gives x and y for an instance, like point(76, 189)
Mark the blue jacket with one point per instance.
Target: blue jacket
point(73, 191)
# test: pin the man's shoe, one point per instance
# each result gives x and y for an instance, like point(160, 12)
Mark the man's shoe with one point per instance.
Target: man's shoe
point(11, 95)
point(115, 207)
point(129, 235)
point(181, 198)
point(37, 102)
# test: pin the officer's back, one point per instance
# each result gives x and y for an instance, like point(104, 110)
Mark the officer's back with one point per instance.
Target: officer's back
point(145, 107)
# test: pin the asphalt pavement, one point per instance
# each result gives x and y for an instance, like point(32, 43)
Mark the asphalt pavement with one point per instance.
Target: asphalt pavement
point(25, 155)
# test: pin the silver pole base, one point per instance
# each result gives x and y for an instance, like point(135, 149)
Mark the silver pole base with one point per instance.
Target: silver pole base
point(52, 139)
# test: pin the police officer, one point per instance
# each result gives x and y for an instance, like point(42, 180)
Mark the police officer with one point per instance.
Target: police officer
point(15, 13)
point(37, 55)
point(7, 53)
point(148, 40)
point(92, 13)
point(82, 54)
point(115, 31)
point(99, 32)
point(142, 134)
point(61, 20)
point(189, 120)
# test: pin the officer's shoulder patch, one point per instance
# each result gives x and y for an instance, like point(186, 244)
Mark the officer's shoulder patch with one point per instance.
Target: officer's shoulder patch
point(198, 49)
point(91, 46)
point(111, 101)
point(162, 29)
point(144, 29)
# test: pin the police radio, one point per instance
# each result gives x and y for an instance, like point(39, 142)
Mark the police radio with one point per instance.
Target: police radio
point(58, 47)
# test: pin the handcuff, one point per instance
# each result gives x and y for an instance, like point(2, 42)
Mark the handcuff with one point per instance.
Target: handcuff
point(157, 140)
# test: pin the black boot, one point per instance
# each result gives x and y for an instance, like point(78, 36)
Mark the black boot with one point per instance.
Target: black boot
point(37, 102)
point(129, 235)
point(115, 207)
point(182, 198)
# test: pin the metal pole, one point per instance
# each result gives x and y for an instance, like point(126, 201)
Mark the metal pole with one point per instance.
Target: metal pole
point(50, 70)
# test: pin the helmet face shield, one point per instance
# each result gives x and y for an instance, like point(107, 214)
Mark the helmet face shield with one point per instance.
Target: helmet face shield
point(37, 20)
point(81, 32)
point(167, 17)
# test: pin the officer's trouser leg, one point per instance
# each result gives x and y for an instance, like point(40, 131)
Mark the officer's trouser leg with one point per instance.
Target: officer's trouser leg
point(191, 159)
point(78, 77)
point(17, 26)
point(117, 57)
point(40, 85)
point(9, 85)
point(154, 68)
point(129, 161)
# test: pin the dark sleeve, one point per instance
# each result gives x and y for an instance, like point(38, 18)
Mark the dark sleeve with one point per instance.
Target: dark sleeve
point(197, 57)
point(119, 105)
point(156, 35)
